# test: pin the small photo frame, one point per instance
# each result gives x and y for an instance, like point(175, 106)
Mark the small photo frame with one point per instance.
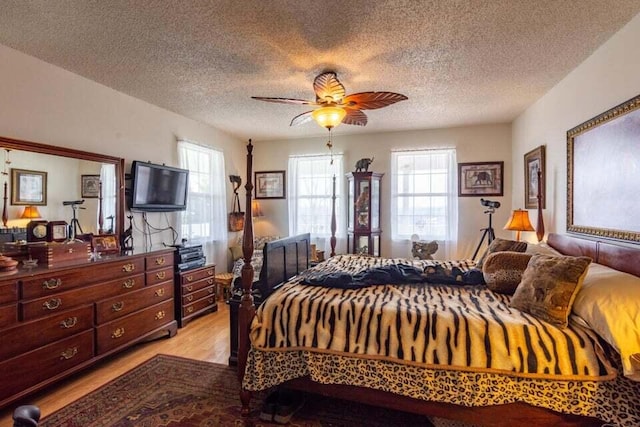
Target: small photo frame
point(534, 162)
point(480, 179)
point(105, 243)
point(90, 186)
point(269, 185)
point(28, 187)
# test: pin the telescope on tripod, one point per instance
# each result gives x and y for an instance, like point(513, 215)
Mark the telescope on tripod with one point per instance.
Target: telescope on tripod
point(487, 232)
point(74, 225)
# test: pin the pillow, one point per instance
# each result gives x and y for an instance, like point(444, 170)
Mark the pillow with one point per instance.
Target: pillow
point(259, 242)
point(502, 271)
point(609, 302)
point(501, 245)
point(541, 248)
point(236, 252)
point(549, 285)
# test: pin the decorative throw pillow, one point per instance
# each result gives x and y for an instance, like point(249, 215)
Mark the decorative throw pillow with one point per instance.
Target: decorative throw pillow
point(236, 252)
point(501, 245)
point(549, 285)
point(503, 271)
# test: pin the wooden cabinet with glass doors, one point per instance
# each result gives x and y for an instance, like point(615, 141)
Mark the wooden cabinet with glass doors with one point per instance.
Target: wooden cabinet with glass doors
point(363, 224)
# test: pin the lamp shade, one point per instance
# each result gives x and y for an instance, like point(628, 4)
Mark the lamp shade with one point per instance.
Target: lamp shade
point(519, 221)
point(329, 117)
point(30, 212)
point(256, 210)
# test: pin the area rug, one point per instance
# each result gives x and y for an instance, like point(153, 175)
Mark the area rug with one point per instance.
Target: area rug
point(174, 391)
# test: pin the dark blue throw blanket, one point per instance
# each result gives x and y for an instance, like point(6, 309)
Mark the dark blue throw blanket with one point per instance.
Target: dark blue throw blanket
point(396, 274)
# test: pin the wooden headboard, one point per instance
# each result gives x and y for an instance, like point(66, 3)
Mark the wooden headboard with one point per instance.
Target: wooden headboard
point(618, 256)
point(283, 259)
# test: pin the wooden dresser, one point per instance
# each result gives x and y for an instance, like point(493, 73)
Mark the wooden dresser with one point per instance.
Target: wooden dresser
point(56, 321)
point(195, 293)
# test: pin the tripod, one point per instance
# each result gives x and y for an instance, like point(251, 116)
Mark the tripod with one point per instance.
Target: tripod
point(487, 232)
point(74, 226)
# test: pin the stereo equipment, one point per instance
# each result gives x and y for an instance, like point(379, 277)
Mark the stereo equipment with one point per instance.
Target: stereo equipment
point(190, 265)
point(189, 257)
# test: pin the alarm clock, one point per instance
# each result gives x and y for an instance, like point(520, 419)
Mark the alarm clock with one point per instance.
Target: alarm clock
point(37, 231)
point(57, 231)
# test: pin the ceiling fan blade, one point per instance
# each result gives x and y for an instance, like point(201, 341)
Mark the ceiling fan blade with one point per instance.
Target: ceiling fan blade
point(301, 119)
point(285, 100)
point(328, 88)
point(372, 100)
point(355, 117)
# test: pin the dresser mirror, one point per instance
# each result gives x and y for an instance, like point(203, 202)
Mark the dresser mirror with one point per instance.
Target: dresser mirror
point(61, 185)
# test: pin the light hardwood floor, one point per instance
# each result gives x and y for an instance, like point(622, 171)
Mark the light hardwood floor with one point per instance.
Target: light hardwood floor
point(205, 338)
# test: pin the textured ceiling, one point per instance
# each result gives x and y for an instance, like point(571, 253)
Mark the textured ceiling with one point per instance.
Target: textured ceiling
point(459, 61)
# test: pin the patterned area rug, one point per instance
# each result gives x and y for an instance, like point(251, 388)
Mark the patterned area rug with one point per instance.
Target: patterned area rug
point(174, 391)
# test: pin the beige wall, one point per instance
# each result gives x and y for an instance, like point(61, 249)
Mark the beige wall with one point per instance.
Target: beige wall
point(44, 103)
point(472, 143)
point(607, 78)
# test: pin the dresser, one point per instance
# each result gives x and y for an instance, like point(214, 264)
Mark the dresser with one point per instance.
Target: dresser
point(57, 321)
point(195, 293)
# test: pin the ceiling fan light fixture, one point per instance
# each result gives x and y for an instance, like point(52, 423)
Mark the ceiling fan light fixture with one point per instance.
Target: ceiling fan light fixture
point(329, 116)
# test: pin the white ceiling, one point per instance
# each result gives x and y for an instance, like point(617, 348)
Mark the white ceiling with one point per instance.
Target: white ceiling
point(459, 61)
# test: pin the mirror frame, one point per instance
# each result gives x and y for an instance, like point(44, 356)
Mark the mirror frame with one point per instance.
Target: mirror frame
point(36, 147)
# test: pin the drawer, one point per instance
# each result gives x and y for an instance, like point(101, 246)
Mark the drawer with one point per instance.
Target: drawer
point(113, 308)
point(8, 316)
point(159, 260)
point(29, 335)
point(8, 292)
point(57, 302)
point(31, 368)
point(49, 283)
point(195, 275)
point(120, 332)
point(200, 304)
point(157, 276)
point(195, 296)
point(195, 286)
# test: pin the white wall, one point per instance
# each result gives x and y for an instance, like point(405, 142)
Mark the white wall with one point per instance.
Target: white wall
point(44, 103)
point(472, 143)
point(610, 76)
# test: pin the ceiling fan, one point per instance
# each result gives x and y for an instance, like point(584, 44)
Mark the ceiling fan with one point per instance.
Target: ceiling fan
point(335, 106)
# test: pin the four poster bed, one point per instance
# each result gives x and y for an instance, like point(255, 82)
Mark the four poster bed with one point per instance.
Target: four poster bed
point(446, 350)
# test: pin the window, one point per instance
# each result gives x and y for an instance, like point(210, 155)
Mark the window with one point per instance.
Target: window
point(310, 188)
point(424, 195)
point(204, 220)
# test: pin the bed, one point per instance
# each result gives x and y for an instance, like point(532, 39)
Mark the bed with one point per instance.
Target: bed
point(580, 389)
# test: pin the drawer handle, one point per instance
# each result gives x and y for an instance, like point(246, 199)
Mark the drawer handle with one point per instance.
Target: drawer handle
point(189, 278)
point(117, 333)
point(129, 283)
point(117, 306)
point(160, 292)
point(210, 290)
point(70, 250)
point(69, 322)
point(161, 275)
point(160, 261)
point(51, 284)
point(210, 272)
point(190, 309)
point(210, 300)
point(52, 304)
point(189, 298)
point(128, 268)
point(160, 315)
point(68, 353)
point(210, 281)
point(189, 288)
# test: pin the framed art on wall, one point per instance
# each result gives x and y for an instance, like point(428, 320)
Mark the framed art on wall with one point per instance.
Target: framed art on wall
point(90, 186)
point(534, 162)
point(28, 187)
point(270, 185)
point(480, 179)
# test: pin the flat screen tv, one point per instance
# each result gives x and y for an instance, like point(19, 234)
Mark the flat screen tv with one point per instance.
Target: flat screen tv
point(158, 188)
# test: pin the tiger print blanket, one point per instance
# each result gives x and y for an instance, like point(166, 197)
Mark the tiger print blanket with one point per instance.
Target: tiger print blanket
point(445, 326)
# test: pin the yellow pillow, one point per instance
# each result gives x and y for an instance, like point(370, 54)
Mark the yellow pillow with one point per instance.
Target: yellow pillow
point(236, 252)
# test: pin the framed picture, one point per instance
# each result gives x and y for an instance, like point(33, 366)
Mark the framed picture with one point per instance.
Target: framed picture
point(28, 187)
point(90, 186)
point(269, 185)
point(534, 162)
point(603, 155)
point(480, 179)
point(105, 243)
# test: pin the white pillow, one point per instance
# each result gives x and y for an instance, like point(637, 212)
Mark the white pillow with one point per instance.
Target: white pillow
point(541, 248)
point(609, 301)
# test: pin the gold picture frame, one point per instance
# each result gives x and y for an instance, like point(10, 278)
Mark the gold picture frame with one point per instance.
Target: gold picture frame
point(270, 185)
point(28, 188)
point(534, 161)
point(480, 179)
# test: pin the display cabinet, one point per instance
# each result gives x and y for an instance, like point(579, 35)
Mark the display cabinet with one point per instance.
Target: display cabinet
point(363, 224)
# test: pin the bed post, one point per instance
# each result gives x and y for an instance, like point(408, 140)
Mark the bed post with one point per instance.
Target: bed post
point(540, 226)
point(333, 218)
point(247, 309)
